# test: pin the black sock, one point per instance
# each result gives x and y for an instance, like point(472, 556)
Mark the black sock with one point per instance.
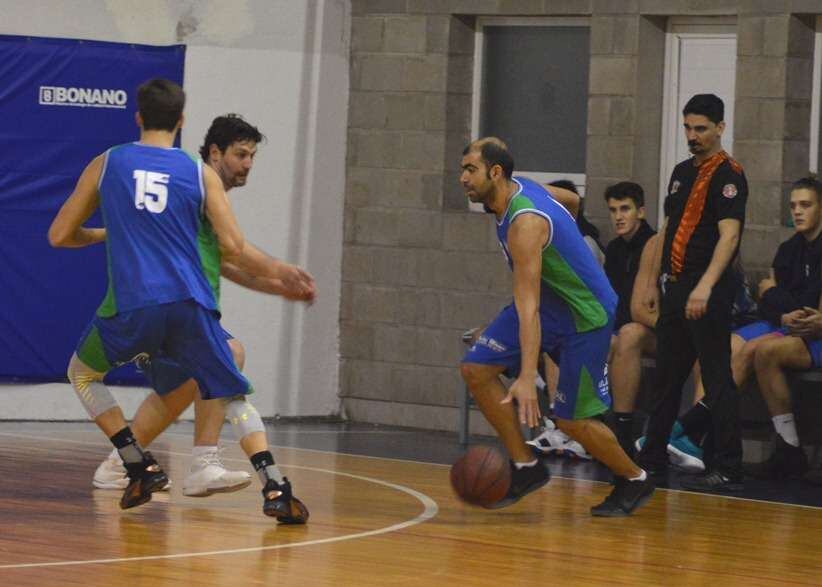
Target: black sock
point(127, 446)
point(266, 468)
point(696, 422)
point(624, 428)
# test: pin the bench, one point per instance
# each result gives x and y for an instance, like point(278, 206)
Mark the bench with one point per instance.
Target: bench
point(756, 421)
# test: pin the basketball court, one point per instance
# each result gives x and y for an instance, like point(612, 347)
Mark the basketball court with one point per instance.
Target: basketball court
point(382, 512)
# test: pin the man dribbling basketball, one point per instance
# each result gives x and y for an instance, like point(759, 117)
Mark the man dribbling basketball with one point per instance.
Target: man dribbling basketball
point(563, 305)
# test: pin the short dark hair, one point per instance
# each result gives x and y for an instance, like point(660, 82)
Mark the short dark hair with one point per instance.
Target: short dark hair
point(626, 190)
point(160, 103)
point(809, 183)
point(565, 184)
point(227, 129)
point(710, 106)
point(493, 152)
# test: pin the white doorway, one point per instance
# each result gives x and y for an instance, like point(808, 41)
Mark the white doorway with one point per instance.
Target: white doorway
point(700, 58)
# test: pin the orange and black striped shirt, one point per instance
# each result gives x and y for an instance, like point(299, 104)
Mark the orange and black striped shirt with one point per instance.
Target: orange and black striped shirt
point(698, 198)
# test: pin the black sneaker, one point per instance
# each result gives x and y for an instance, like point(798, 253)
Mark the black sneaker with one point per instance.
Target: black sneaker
point(280, 503)
point(786, 462)
point(145, 478)
point(624, 498)
point(523, 482)
point(712, 482)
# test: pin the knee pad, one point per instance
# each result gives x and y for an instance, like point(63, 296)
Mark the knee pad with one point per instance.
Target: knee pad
point(243, 416)
point(89, 387)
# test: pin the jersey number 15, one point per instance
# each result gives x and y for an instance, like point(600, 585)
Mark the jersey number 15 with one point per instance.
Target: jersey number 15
point(150, 191)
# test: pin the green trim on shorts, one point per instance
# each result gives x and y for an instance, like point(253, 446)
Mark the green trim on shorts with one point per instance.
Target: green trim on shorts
point(588, 403)
point(91, 352)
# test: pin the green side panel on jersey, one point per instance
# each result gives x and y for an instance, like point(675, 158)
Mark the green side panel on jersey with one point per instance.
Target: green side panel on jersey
point(108, 307)
point(588, 313)
point(192, 156)
point(92, 354)
point(210, 257)
point(588, 403)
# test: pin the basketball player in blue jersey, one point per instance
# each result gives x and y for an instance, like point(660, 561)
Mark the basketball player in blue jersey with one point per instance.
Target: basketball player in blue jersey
point(229, 148)
point(563, 305)
point(161, 209)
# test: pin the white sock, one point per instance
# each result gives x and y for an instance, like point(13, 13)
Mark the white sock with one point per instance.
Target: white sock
point(786, 428)
point(523, 465)
point(199, 451)
point(641, 477)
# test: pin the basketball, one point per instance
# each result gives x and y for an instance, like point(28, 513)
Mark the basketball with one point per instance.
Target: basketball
point(481, 476)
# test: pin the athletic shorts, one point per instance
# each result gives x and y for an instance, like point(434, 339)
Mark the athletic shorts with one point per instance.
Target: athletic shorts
point(759, 328)
point(582, 357)
point(815, 349)
point(184, 332)
point(762, 327)
point(164, 374)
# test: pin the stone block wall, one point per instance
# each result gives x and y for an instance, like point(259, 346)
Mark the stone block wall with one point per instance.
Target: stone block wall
point(418, 268)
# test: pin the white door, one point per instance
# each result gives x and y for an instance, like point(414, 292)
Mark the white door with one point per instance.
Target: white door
point(700, 59)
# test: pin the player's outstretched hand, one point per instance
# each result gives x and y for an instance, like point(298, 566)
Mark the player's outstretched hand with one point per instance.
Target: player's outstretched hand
point(525, 392)
point(297, 283)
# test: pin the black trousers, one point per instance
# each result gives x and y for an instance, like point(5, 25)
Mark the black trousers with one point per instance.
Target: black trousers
point(679, 343)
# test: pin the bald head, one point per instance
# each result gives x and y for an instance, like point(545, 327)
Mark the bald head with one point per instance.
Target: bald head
point(493, 151)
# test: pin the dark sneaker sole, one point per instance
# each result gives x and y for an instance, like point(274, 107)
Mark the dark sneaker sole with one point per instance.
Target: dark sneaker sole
point(297, 513)
point(137, 494)
point(506, 501)
point(211, 491)
point(721, 489)
point(621, 513)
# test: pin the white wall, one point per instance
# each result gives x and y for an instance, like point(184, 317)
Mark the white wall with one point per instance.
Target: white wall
point(283, 64)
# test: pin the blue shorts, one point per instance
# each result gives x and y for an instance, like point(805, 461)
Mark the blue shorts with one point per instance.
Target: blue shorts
point(185, 332)
point(582, 357)
point(815, 349)
point(164, 374)
point(761, 328)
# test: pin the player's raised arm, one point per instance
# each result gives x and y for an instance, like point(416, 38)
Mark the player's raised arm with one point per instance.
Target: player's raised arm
point(67, 229)
point(222, 217)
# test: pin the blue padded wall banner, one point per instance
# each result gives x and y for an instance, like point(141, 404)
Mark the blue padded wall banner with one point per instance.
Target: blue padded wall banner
point(62, 102)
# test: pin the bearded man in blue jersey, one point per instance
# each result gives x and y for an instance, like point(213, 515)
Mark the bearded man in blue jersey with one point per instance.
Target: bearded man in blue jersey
point(229, 147)
point(563, 305)
point(168, 226)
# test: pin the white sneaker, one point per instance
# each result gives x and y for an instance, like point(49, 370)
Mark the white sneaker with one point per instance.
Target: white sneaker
point(111, 474)
point(553, 441)
point(550, 439)
point(573, 449)
point(208, 475)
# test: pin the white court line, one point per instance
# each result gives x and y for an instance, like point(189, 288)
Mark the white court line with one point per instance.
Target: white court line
point(348, 454)
point(430, 509)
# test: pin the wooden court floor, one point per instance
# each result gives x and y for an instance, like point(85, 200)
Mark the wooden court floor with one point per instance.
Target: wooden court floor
point(374, 521)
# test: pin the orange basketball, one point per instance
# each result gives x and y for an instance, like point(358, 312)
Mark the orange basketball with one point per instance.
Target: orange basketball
point(481, 476)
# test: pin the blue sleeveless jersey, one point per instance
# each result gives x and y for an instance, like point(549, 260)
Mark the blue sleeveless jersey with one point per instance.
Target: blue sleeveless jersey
point(160, 247)
point(575, 294)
